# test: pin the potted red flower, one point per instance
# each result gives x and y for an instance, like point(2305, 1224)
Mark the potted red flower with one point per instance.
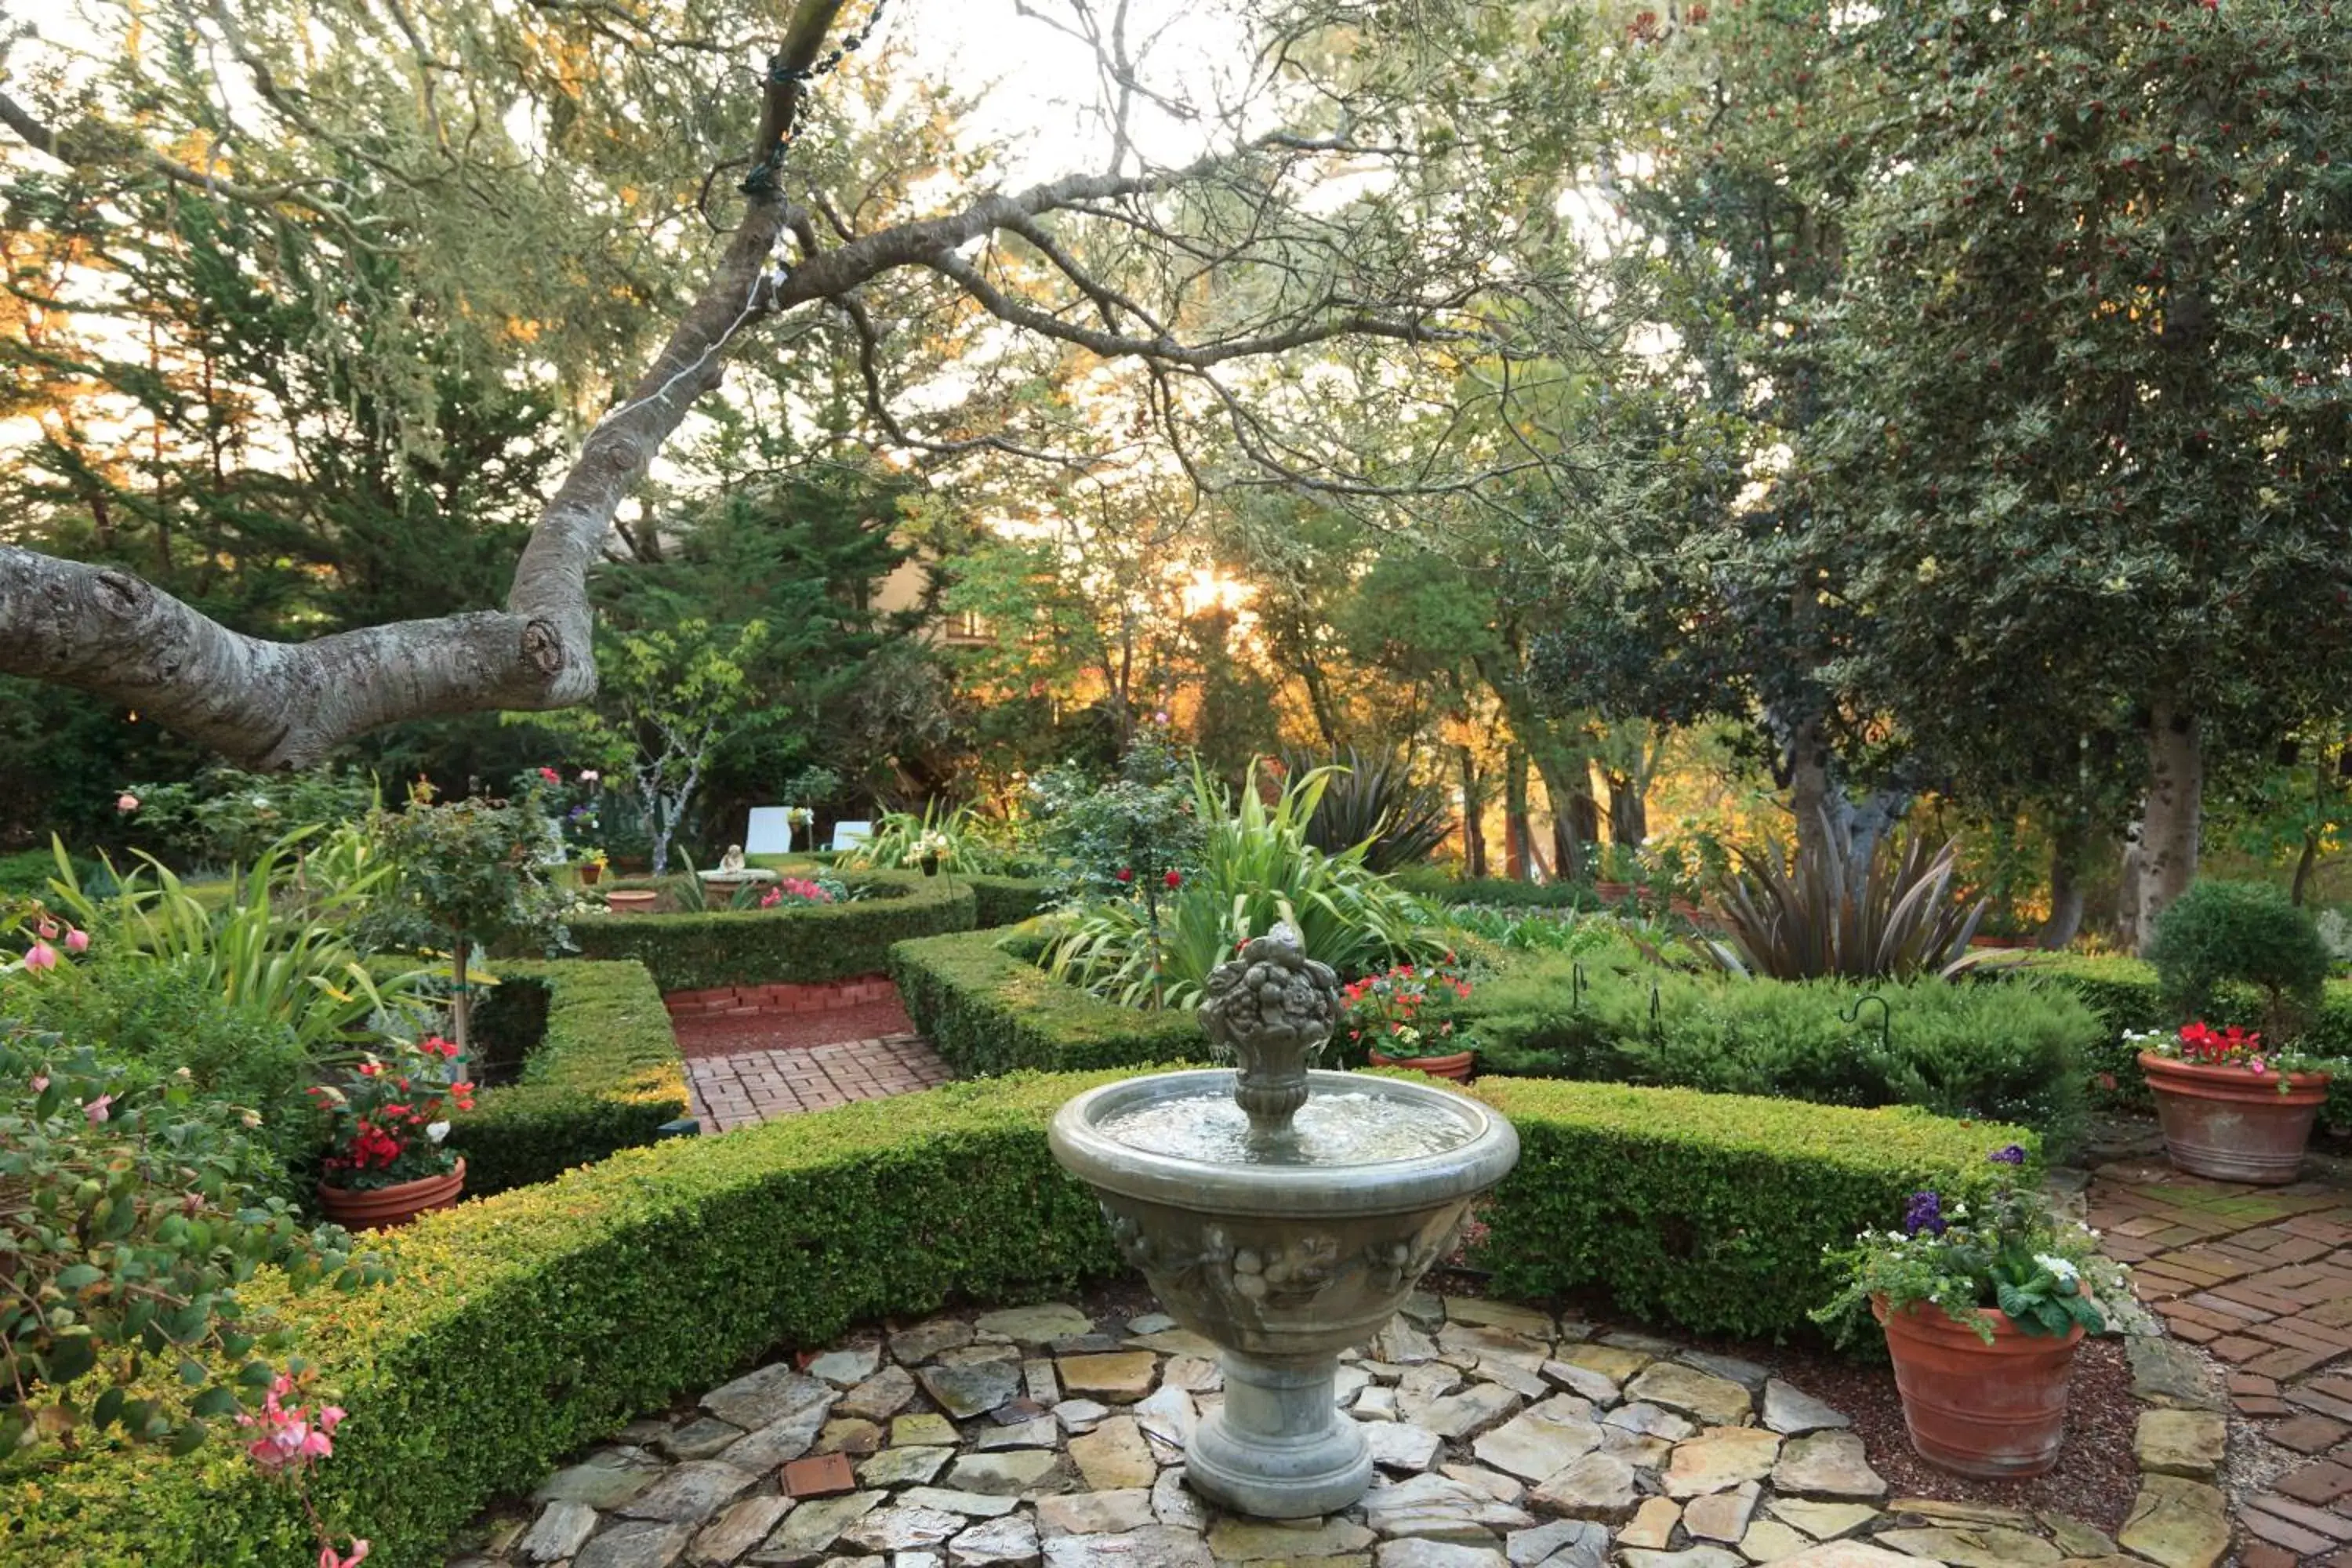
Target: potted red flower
point(386, 1160)
point(2233, 1108)
point(1389, 1016)
point(1982, 1313)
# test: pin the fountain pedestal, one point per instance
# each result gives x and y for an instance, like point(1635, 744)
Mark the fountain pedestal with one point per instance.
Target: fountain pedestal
point(1280, 1448)
point(1283, 1213)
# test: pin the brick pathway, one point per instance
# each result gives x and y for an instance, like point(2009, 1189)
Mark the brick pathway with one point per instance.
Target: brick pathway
point(746, 1086)
point(2261, 1278)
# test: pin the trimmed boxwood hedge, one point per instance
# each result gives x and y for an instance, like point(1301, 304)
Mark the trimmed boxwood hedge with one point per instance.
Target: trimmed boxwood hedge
point(1007, 901)
point(2124, 994)
point(988, 1008)
point(600, 1070)
point(1709, 1210)
point(800, 945)
point(522, 1328)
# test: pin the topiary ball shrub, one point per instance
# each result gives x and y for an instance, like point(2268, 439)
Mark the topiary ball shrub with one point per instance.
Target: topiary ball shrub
point(2246, 932)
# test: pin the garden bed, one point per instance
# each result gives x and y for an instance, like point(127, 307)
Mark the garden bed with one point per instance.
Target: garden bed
point(989, 1009)
point(522, 1328)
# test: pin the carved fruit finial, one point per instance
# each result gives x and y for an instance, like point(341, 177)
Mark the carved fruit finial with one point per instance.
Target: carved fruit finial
point(1273, 1008)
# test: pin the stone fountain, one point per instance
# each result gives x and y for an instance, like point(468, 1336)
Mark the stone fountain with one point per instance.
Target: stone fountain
point(1284, 1214)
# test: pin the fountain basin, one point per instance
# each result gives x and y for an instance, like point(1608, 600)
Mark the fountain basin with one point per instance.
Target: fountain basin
point(1284, 1255)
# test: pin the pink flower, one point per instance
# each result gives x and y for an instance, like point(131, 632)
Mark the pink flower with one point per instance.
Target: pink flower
point(48, 927)
point(41, 1081)
point(327, 1558)
point(551, 775)
point(77, 942)
point(126, 803)
point(96, 1109)
point(41, 955)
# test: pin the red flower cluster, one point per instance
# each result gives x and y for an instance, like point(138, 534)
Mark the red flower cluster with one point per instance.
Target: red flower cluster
point(384, 1119)
point(1390, 1004)
point(2201, 1042)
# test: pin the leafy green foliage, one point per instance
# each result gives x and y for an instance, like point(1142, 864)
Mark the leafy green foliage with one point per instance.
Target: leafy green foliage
point(1820, 915)
point(1257, 869)
point(1376, 802)
point(468, 870)
point(790, 944)
point(986, 1007)
point(1145, 824)
point(954, 838)
point(2009, 1053)
point(2244, 931)
point(302, 968)
point(2007, 1254)
point(223, 816)
point(131, 1218)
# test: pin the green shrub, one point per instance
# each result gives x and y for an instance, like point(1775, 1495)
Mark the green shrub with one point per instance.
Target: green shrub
point(799, 944)
point(1709, 1211)
point(30, 870)
point(2250, 932)
point(600, 1071)
point(2009, 1054)
point(1007, 900)
point(517, 1330)
point(1500, 892)
point(988, 1008)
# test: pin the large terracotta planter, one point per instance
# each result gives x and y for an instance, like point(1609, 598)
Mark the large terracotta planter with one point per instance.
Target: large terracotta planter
point(1994, 1410)
point(1455, 1064)
point(2232, 1123)
point(387, 1208)
point(1612, 892)
point(631, 900)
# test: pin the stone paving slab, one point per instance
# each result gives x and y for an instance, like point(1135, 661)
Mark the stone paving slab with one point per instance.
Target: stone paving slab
point(1548, 1482)
point(744, 1088)
point(2259, 1278)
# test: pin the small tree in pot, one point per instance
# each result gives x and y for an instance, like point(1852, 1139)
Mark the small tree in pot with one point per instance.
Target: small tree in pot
point(2237, 1104)
point(471, 874)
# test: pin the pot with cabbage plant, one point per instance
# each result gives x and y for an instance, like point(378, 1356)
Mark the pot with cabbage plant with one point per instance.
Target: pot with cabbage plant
point(2233, 1108)
point(1983, 1306)
point(387, 1160)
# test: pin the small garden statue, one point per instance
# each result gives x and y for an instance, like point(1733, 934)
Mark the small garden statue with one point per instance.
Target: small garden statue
point(731, 863)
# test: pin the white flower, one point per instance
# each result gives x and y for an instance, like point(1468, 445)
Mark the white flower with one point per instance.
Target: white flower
point(437, 1130)
point(2065, 1272)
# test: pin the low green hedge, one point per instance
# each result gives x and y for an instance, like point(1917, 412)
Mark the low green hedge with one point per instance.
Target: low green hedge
point(2122, 993)
point(2001, 1053)
point(1709, 1211)
point(1008, 900)
point(600, 1070)
point(1503, 892)
point(802, 944)
point(522, 1328)
point(988, 1008)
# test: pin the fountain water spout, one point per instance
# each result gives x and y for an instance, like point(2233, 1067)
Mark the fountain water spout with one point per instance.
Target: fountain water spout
point(1272, 1009)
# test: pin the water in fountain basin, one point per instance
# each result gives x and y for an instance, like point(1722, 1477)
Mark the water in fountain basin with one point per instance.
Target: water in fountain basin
point(1330, 1129)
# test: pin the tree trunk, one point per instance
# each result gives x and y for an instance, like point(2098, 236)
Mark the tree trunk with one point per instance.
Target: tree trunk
point(2304, 864)
point(461, 1001)
point(1575, 815)
point(1811, 795)
point(2172, 816)
point(1515, 814)
point(2068, 845)
point(1629, 812)
point(1474, 829)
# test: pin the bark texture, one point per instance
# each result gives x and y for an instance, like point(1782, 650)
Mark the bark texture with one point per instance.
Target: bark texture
point(2172, 817)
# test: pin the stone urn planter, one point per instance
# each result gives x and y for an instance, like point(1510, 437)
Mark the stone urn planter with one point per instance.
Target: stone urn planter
point(1454, 1065)
point(631, 900)
point(2232, 1123)
point(388, 1208)
point(1995, 1410)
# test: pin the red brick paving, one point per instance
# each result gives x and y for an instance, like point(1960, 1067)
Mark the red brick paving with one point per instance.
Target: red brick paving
point(724, 1034)
point(2261, 1279)
point(742, 1088)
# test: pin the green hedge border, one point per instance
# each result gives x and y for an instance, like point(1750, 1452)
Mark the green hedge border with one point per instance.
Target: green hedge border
point(604, 1075)
point(987, 1010)
point(802, 945)
point(522, 1328)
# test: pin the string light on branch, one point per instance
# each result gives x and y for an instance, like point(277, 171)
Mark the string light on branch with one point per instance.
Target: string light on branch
point(762, 178)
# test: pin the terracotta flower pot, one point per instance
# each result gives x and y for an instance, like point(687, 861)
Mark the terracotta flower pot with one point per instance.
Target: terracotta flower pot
point(387, 1208)
point(1612, 892)
point(2230, 1122)
point(1456, 1065)
point(1995, 1410)
point(589, 873)
point(631, 900)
